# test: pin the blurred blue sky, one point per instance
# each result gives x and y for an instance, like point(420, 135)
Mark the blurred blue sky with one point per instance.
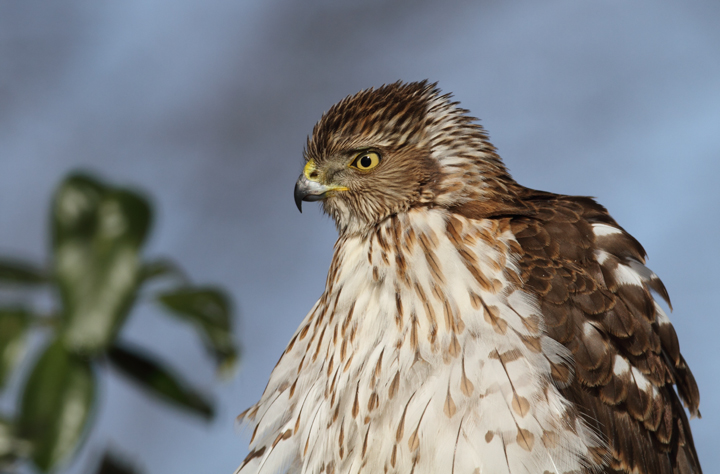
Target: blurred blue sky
point(206, 105)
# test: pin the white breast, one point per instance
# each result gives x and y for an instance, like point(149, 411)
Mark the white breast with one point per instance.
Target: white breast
point(421, 356)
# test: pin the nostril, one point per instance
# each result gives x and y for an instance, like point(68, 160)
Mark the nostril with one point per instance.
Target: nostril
point(313, 174)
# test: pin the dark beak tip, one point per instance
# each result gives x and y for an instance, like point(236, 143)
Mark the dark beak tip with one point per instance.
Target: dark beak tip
point(298, 194)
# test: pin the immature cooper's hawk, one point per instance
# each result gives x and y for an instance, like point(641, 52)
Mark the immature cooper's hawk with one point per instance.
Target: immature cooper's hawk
point(468, 324)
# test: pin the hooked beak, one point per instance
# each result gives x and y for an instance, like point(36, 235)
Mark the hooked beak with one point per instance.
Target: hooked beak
point(306, 190)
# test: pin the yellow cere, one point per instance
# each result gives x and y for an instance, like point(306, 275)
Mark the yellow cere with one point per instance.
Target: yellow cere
point(309, 168)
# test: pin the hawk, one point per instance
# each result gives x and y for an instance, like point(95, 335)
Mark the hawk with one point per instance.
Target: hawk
point(468, 324)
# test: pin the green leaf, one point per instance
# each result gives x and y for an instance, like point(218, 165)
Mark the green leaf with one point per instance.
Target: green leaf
point(161, 268)
point(97, 235)
point(56, 403)
point(17, 272)
point(12, 449)
point(209, 310)
point(113, 464)
point(14, 323)
point(159, 380)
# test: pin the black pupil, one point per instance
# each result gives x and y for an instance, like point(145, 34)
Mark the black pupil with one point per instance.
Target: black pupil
point(365, 161)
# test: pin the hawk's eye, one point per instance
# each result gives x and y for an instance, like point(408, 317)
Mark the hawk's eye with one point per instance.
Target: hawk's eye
point(366, 160)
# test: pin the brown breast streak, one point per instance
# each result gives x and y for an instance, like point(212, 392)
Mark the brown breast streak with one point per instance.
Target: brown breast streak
point(646, 432)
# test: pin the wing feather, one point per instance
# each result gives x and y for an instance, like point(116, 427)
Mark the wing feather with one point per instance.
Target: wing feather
point(594, 292)
point(625, 350)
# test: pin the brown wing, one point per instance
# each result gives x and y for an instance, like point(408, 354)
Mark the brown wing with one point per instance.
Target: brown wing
point(626, 352)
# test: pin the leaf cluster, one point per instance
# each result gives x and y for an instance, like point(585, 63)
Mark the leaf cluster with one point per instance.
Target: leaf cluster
point(97, 274)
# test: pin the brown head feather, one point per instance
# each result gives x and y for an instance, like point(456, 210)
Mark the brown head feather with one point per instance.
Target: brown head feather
point(432, 152)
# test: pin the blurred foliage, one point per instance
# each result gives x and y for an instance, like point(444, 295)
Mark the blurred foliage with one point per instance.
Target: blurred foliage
point(112, 464)
point(97, 271)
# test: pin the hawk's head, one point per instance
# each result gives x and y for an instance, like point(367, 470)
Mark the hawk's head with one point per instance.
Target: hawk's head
point(382, 151)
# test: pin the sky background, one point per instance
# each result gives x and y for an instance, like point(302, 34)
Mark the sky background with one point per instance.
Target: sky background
point(206, 106)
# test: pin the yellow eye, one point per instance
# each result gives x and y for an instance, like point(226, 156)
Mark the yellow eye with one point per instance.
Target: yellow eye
point(366, 160)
